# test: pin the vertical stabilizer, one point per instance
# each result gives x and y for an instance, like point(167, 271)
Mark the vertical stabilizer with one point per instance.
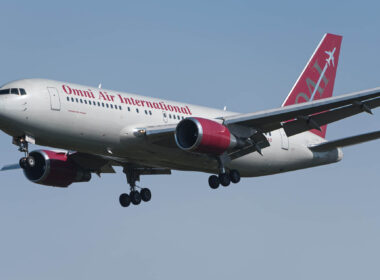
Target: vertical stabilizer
point(317, 78)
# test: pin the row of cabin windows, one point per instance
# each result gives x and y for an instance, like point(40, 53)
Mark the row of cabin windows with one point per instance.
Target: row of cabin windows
point(178, 117)
point(94, 103)
point(15, 91)
point(118, 107)
point(106, 105)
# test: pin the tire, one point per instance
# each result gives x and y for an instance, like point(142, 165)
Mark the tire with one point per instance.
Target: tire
point(145, 194)
point(135, 197)
point(22, 163)
point(235, 176)
point(124, 200)
point(213, 182)
point(30, 161)
point(224, 179)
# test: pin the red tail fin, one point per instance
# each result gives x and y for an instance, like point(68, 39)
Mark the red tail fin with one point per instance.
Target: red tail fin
point(317, 79)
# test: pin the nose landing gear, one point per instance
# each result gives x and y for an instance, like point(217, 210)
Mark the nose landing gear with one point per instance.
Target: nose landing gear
point(27, 161)
point(135, 197)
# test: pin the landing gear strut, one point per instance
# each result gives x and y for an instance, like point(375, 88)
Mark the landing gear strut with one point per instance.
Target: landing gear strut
point(135, 197)
point(27, 161)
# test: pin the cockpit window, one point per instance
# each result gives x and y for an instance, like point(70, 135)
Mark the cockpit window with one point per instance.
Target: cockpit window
point(16, 91)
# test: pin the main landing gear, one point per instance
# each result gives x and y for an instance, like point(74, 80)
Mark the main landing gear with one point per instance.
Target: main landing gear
point(135, 197)
point(27, 161)
point(224, 179)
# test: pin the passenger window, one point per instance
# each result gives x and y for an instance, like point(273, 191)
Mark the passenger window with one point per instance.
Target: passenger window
point(76, 99)
point(146, 112)
point(129, 109)
point(137, 110)
point(107, 105)
point(102, 104)
point(99, 104)
point(22, 91)
point(72, 99)
point(85, 101)
point(81, 101)
point(120, 107)
point(89, 102)
point(111, 106)
point(170, 116)
point(68, 98)
point(150, 112)
point(14, 91)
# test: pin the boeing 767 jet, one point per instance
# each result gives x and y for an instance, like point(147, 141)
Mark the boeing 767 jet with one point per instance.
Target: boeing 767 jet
point(91, 130)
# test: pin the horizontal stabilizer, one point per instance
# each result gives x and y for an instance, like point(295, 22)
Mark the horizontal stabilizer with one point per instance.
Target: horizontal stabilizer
point(344, 142)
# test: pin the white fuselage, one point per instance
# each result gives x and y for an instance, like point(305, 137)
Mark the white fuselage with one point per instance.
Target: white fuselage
point(104, 122)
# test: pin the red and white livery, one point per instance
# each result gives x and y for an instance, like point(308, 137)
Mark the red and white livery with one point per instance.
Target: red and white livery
point(97, 129)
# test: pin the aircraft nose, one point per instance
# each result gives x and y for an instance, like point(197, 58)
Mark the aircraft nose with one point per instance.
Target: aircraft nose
point(2, 111)
point(1, 105)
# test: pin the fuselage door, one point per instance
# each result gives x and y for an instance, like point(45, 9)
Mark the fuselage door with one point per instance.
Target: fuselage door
point(55, 103)
point(284, 140)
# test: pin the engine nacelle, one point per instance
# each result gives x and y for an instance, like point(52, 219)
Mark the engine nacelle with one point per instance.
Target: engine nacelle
point(54, 169)
point(204, 136)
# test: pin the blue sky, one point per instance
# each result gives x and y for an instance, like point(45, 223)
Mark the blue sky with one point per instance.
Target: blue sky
point(310, 224)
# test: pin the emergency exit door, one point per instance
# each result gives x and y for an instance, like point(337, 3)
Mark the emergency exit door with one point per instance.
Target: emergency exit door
point(55, 103)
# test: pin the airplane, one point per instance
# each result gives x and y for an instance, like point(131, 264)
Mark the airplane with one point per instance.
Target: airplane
point(91, 130)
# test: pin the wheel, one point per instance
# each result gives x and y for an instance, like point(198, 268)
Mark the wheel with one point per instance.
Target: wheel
point(235, 176)
point(30, 161)
point(224, 179)
point(145, 194)
point(22, 162)
point(213, 182)
point(125, 200)
point(135, 197)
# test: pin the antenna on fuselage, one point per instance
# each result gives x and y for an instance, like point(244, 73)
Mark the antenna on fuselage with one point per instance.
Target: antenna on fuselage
point(100, 85)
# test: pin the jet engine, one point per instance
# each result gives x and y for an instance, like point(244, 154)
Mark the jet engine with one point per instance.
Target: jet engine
point(54, 169)
point(204, 136)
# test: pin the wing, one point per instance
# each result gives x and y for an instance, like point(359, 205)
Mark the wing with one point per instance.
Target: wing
point(10, 167)
point(310, 115)
point(294, 119)
point(102, 164)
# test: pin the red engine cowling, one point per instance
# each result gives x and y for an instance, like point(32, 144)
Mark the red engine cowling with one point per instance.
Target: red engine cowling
point(203, 135)
point(54, 169)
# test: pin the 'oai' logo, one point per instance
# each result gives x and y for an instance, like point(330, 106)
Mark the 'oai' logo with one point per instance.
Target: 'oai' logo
point(315, 87)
